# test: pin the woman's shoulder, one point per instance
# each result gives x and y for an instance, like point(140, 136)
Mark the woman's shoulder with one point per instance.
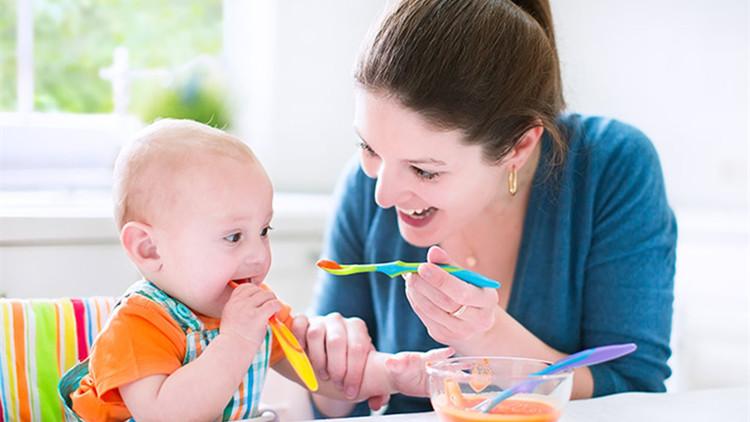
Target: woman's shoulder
point(603, 140)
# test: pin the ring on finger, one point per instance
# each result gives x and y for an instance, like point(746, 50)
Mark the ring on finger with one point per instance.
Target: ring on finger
point(460, 311)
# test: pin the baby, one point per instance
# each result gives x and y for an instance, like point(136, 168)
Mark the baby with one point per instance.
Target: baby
point(194, 208)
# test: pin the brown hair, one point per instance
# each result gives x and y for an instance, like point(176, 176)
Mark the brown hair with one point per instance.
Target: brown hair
point(487, 67)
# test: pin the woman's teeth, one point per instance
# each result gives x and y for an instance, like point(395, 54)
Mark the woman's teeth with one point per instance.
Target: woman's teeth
point(420, 213)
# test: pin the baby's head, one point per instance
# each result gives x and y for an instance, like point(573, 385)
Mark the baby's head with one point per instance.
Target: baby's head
point(193, 206)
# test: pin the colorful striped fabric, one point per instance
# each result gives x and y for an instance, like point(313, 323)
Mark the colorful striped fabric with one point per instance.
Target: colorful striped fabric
point(40, 340)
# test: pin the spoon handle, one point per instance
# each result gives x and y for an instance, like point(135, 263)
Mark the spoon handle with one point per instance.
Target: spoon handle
point(589, 357)
point(586, 357)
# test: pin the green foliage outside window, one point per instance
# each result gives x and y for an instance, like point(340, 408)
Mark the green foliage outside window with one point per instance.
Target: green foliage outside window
point(74, 39)
point(7, 55)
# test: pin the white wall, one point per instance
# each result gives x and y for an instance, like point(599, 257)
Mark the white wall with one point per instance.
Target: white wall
point(291, 64)
point(675, 69)
point(678, 70)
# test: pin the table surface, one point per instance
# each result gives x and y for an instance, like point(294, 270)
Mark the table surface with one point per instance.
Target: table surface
point(725, 405)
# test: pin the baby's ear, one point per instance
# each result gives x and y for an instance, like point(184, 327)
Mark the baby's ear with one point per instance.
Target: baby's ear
point(138, 241)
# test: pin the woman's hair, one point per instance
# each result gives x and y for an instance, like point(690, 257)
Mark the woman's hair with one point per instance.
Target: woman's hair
point(486, 67)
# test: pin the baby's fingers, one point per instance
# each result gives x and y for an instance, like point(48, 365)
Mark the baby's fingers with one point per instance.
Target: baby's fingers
point(269, 308)
point(438, 354)
point(407, 372)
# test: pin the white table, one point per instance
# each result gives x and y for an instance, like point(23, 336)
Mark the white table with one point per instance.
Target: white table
point(720, 405)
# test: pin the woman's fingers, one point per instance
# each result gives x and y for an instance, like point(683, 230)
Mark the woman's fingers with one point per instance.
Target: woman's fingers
point(459, 291)
point(415, 284)
point(336, 344)
point(432, 311)
point(440, 299)
point(435, 329)
point(337, 348)
point(359, 346)
point(300, 324)
point(437, 255)
point(316, 349)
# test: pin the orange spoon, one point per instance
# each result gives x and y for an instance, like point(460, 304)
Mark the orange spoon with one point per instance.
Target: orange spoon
point(292, 350)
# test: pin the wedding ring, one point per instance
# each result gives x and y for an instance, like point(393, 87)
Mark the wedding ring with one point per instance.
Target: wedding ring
point(460, 311)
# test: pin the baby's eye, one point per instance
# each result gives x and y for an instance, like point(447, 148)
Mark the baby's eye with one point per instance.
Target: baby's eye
point(424, 175)
point(264, 232)
point(234, 237)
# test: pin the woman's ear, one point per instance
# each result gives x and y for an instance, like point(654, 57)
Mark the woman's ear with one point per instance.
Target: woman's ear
point(521, 152)
point(139, 243)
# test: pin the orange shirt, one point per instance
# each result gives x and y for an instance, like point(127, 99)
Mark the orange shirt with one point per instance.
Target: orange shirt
point(140, 339)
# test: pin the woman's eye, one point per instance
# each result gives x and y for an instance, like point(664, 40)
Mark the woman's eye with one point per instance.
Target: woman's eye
point(234, 237)
point(425, 175)
point(264, 232)
point(366, 148)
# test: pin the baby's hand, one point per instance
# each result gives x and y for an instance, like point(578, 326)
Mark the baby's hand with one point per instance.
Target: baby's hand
point(407, 374)
point(246, 313)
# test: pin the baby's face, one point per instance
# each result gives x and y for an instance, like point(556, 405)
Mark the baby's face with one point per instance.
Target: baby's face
point(214, 230)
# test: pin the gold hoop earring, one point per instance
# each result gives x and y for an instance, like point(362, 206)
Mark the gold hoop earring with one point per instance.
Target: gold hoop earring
point(513, 181)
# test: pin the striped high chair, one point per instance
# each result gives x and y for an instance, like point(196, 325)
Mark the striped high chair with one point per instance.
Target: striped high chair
point(39, 341)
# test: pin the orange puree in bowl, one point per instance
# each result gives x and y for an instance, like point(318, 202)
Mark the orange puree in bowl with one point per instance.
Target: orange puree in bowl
point(511, 410)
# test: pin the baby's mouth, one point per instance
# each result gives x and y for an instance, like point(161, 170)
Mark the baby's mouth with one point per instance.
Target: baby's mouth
point(237, 282)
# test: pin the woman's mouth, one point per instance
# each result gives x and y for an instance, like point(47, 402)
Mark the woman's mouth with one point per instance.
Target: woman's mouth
point(417, 217)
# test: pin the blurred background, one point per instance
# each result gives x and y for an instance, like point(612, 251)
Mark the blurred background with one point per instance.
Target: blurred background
point(77, 77)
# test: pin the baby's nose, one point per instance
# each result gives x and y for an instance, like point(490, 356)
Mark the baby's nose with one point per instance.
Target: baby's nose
point(255, 259)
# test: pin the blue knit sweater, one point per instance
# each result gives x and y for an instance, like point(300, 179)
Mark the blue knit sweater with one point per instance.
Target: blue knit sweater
point(595, 266)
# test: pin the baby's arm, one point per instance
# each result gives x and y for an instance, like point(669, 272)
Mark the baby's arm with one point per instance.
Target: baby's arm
point(403, 373)
point(385, 374)
point(201, 389)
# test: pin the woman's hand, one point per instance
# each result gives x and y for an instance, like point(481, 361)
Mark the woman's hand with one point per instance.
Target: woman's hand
point(338, 349)
point(452, 310)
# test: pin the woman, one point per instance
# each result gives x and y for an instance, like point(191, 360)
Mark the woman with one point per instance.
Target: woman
point(467, 158)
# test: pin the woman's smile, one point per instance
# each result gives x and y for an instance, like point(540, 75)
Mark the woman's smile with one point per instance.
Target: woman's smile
point(417, 217)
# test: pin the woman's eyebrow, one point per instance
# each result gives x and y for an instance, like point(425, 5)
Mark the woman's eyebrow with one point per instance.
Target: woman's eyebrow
point(417, 161)
point(359, 135)
point(427, 161)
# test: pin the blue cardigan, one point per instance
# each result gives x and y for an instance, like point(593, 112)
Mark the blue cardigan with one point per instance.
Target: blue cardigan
point(596, 262)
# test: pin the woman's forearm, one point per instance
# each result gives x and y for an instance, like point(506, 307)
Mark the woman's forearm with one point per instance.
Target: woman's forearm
point(508, 337)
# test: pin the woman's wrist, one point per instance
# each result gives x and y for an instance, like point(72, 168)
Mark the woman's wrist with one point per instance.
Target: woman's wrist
point(331, 408)
point(489, 342)
point(507, 337)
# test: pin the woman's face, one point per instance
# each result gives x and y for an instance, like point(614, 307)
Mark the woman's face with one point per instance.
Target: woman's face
point(437, 184)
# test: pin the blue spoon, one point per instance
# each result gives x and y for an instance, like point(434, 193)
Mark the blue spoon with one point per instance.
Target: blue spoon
point(396, 268)
point(586, 357)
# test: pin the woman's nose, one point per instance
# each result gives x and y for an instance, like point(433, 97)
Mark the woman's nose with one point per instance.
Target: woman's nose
point(389, 188)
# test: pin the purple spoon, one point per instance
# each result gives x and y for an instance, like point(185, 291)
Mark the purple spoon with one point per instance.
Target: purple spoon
point(586, 357)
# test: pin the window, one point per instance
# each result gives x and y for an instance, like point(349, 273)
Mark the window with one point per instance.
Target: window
point(7, 56)
point(79, 75)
